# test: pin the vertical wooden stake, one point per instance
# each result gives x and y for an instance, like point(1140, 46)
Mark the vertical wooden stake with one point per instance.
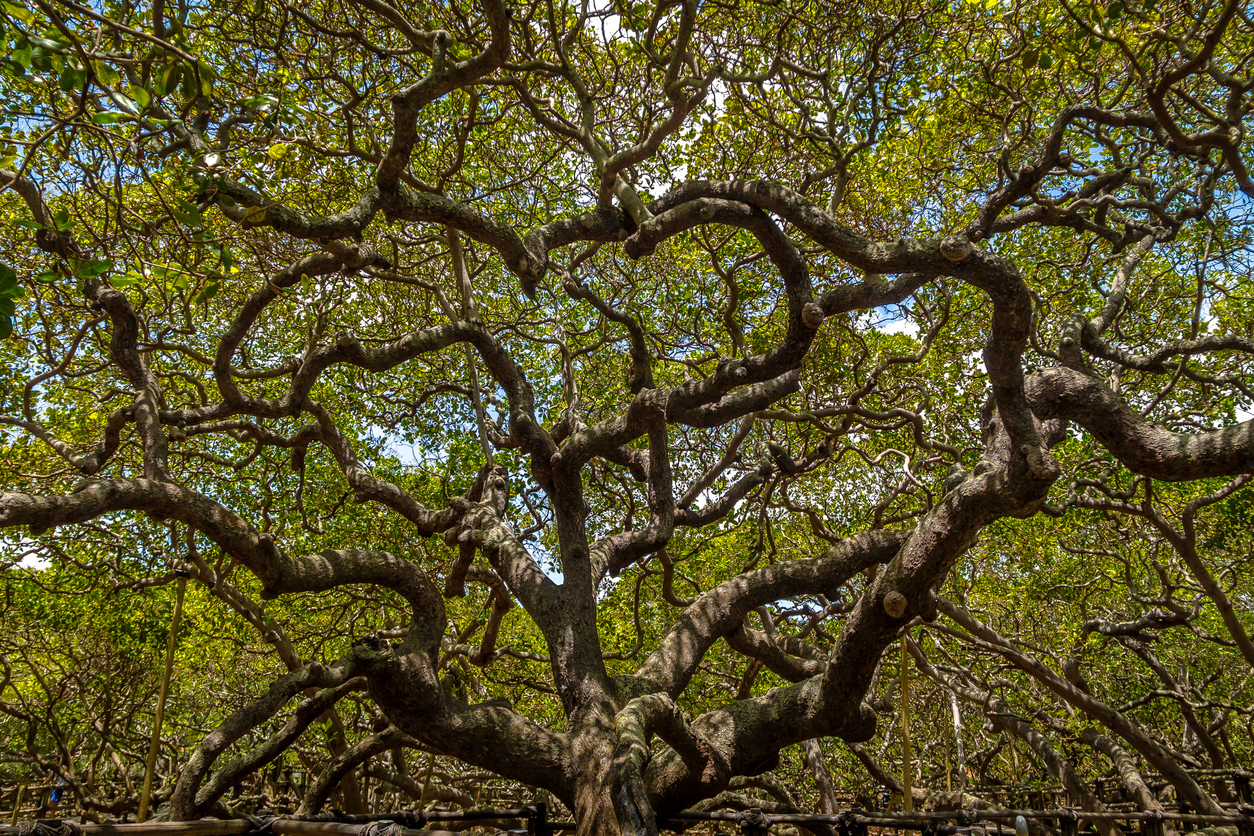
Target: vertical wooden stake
point(155, 744)
point(907, 791)
point(958, 747)
point(17, 803)
point(426, 784)
point(468, 312)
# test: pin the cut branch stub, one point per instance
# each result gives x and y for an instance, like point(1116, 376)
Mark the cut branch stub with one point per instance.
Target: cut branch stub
point(956, 247)
point(895, 604)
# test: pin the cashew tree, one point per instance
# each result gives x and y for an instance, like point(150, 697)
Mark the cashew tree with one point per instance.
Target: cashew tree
point(598, 391)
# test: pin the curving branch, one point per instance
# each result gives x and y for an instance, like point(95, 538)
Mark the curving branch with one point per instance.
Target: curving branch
point(1142, 447)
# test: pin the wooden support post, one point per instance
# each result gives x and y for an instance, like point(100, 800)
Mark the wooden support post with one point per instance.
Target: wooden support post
point(959, 750)
point(538, 821)
point(154, 745)
point(426, 784)
point(1245, 820)
point(907, 790)
point(18, 795)
point(1241, 786)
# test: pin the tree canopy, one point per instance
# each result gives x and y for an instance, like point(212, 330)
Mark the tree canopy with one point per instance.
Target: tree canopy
point(594, 396)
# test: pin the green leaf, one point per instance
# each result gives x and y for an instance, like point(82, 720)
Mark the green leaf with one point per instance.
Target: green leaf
point(207, 77)
point(210, 290)
point(93, 267)
point(188, 85)
point(41, 60)
point(187, 213)
point(22, 55)
point(105, 74)
point(278, 150)
point(1046, 62)
point(6, 327)
point(71, 79)
point(259, 101)
point(49, 44)
point(127, 279)
point(108, 117)
point(18, 11)
point(125, 104)
point(142, 97)
point(167, 79)
point(8, 281)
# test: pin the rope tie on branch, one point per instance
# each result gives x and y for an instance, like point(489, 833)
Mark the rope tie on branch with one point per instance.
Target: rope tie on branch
point(413, 819)
point(48, 827)
point(1068, 821)
point(753, 821)
point(262, 822)
point(849, 825)
point(388, 827)
point(1245, 824)
point(967, 816)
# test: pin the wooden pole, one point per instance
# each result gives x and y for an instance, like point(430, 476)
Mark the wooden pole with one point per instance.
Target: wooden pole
point(958, 747)
point(155, 744)
point(18, 796)
point(426, 784)
point(462, 275)
point(907, 791)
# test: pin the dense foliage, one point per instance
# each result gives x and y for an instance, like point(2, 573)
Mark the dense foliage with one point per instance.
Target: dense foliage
point(593, 398)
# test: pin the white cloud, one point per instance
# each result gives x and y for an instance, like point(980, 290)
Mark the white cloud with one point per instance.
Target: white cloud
point(900, 325)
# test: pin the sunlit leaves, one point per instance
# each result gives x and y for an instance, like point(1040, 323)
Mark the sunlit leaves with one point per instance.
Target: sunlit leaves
point(10, 292)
